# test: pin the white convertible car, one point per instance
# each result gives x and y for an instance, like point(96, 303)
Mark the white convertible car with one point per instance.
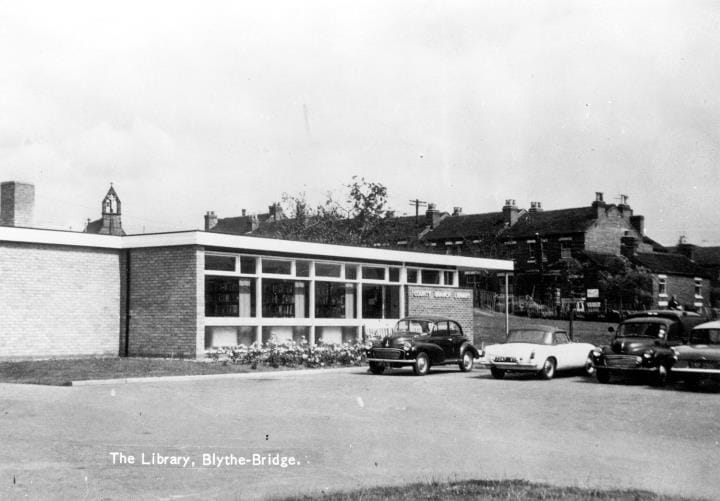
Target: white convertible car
point(539, 349)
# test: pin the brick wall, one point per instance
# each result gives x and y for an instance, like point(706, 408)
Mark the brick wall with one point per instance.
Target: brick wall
point(166, 302)
point(58, 301)
point(453, 303)
point(683, 288)
point(605, 233)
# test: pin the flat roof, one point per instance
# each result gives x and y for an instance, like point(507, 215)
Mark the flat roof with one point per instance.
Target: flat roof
point(245, 243)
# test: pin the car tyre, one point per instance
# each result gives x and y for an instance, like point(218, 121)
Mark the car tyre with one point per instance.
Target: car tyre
point(497, 373)
point(377, 368)
point(422, 364)
point(466, 362)
point(548, 370)
point(603, 376)
point(589, 368)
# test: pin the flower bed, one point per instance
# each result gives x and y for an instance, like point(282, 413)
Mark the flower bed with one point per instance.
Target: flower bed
point(290, 354)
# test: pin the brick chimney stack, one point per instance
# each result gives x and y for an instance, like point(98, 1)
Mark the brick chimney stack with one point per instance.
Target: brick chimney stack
point(599, 204)
point(17, 204)
point(536, 207)
point(510, 212)
point(211, 220)
point(432, 216)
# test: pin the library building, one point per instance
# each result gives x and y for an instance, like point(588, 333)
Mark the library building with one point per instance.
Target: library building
point(104, 293)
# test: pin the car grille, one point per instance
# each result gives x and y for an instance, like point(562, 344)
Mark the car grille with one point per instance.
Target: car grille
point(387, 353)
point(703, 364)
point(622, 361)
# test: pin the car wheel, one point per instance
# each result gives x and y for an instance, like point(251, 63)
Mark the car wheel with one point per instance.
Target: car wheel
point(589, 368)
point(603, 376)
point(660, 376)
point(377, 367)
point(497, 373)
point(422, 364)
point(548, 370)
point(466, 363)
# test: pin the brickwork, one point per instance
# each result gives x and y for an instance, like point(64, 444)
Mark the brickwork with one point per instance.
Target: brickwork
point(683, 288)
point(166, 302)
point(605, 233)
point(453, 303)
point(58, 301)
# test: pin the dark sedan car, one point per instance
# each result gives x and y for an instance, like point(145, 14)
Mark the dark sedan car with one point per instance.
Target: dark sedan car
point(421, 342)
point(700, 357)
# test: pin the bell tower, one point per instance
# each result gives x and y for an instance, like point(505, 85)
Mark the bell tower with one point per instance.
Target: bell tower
point(111, 214)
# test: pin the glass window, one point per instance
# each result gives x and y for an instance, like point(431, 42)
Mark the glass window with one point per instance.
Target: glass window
point(335, 300)
point(449, 277)
point(412, 276)
point(392, 301)
point(219, 263)
point(276, 266)
point(328, 270)
point(229, 297)
point(698, 287)
point(285, 298)
point(247, 265)
point(302, 268)
point(351, 271)
point(394, 274)
point(373, 273)
point(284, 334)
point(372, 301)
point(335, 335)
point(662, 286)
point(217, 337)
point(431, 277)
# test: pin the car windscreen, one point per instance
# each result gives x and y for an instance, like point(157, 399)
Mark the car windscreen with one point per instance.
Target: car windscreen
point(642, 328)
point(529, 336)
point(415, 326)
point(705, 336)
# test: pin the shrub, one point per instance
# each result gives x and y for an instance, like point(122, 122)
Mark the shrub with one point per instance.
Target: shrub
point(290, 354)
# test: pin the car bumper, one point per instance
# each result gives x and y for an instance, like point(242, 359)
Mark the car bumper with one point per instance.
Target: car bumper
point(511, 366)
point(404, 361)
point(693, 370)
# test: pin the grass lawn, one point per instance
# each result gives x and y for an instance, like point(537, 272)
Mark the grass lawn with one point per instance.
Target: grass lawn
point(485, 490)
point(489, 328)
point(62, 372)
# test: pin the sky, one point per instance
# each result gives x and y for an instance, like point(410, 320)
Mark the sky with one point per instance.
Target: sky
point(189, 106)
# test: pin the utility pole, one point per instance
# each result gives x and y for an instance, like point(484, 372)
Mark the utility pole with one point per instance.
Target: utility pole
point(417, 203)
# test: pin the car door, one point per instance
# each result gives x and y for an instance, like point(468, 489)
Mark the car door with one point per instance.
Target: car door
point(456, 333)
point(442, 337)
point(562, 350)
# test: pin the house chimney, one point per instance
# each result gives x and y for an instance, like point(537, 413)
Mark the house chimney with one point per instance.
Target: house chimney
point(17, 202)
point(638, 222)
point(685, 248)
point(599, 204)
point(457, 211)
point(510, 212)
point(243, 212)
point(211, 220)
point(625, 210)
point(536, 207)
point(432, 216)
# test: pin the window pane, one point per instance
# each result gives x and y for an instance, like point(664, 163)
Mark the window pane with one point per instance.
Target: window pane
point(392, 301)
point(247, 265)
point(219, 263)
point(328, 270)
point(431, 277)
point(372, 301)
point(412, 276)
point(276, 266)
point(394, 274)
point(285, 298)
point(302, 268)
point(373, 273)
point(449, 277)
point(335, 300)
point(351, 271)
point(229, 297)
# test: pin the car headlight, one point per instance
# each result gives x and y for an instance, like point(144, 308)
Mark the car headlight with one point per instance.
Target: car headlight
point(407, 346)
point(647, 355)
point(368, 346)
point(597, 352)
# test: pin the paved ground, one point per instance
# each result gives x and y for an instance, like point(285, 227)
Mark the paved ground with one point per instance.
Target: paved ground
point(352, 429)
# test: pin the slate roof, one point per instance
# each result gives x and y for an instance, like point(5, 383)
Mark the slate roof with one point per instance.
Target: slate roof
point(467, 226)
point(552, 222)
point(238, 225)
point(707, 256)
point(673, 264)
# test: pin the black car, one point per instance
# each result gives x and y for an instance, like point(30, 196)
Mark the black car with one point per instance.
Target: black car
point(421, 342)
point(643, 343)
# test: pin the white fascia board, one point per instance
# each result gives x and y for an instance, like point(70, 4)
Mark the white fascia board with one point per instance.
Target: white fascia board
point(59, 237)
point(257, 244)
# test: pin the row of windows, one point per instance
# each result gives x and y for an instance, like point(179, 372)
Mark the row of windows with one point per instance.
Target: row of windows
point(249, 265)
